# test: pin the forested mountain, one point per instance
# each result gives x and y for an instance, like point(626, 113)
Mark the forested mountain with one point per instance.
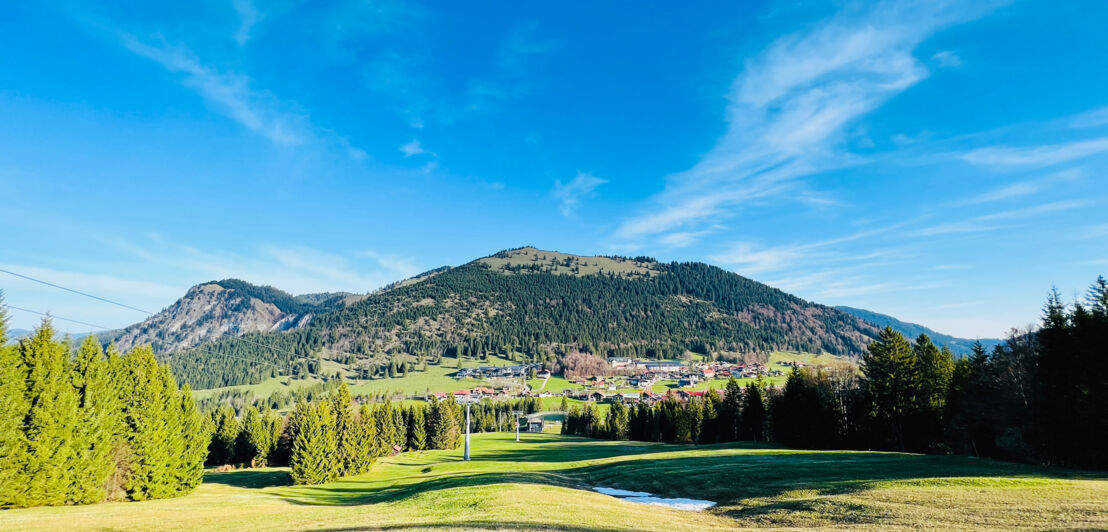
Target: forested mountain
point(220, 309)
point(960, 346)
point(535, 305)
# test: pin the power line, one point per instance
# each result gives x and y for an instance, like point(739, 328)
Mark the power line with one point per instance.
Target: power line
point(55, 316)
point(75, 292)
point(147, 312)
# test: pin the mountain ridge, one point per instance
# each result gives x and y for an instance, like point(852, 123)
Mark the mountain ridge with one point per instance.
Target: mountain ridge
point(521, 303)
point(960, 346)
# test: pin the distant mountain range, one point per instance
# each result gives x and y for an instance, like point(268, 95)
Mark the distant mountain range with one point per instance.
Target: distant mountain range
point(960, 346)
point(221, 309)
point(14, 334)
point(523, 303)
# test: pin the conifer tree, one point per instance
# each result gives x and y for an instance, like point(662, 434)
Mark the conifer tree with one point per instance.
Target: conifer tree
point(617, 421)
point(754, 411)
point(13, 411)
point(98, 432)
point(346, 439)
point(365, 432)
point(146, 416)
point(167, 483)
point(257, 436)
point(223, 447)
point(890, 368)
point(399, 427)
point(730, 411)
point(314, 450)
point(417, 429)
point(196, 430)
point(51, 420)
point(386, 430)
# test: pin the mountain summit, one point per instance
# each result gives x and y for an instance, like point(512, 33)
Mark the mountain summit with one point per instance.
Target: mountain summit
point(523, 303)
point(227, 308)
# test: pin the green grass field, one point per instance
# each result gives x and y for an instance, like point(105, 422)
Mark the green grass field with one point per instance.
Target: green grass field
point(435, 379)
point(439, 379)
point(545, 482)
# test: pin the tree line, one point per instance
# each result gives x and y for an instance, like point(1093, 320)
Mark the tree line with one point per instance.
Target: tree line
point(1038, 397)
point(473, 311)
point(333, 435)
point(92, 427)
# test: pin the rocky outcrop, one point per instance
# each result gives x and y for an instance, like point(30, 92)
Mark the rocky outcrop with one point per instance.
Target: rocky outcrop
point(209, 312)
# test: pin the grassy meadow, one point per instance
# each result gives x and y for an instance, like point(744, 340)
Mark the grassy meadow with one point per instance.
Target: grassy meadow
point(440, 379)
point(544, 483)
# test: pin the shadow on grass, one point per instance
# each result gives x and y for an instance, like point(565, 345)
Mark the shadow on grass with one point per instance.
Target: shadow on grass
point(357, 491)
point(249, 478)
point(483, 525)
point(760, 484)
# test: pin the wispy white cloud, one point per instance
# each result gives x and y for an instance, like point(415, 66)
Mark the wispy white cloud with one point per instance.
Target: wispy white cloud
point(997, 220)
point(402, 266)
point(789, 108)
point(1094, 118)
point(680, 239)
point(1035, 156)
point(570, 194)
point(845, 283)
point(414, 148)
point(749, 258)
point(249, 16)
point(947, 58)
point(230, 93)
point(1096, 231)
point(1022, 188)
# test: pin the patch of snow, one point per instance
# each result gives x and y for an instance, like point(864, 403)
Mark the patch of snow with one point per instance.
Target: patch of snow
point(620, 493)
point(642, 497)
point(678, 504)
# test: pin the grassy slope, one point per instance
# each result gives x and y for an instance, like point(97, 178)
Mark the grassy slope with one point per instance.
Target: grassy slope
point(543, 483)
point(436, 379)
point(440, 379)
point(593, 265)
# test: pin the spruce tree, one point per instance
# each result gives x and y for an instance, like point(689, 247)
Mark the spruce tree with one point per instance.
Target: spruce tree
point(314, 451)
point(730, 411)
point(754, 411)
point(223, 448)
point(346, 439)
point(386, 430)
point(51, 421)
point(399, 427)
point(195, 428)
point(98, 432)
point(417, 429)
point(14, 407)
point(257, 437)
point(890, 376)
point(147, 418)
point(366, 448)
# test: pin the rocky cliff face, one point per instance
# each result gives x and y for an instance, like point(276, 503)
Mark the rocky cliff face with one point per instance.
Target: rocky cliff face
point(209, 312)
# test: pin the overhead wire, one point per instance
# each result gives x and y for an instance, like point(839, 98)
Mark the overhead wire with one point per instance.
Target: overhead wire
point(147, 312)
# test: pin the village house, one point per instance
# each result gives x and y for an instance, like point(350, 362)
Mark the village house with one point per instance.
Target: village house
point(620, 362)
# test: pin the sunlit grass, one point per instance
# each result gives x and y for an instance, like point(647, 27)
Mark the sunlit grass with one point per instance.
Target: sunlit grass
point(545, 482)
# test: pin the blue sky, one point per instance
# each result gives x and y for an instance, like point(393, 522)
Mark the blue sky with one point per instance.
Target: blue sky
point(943, 162)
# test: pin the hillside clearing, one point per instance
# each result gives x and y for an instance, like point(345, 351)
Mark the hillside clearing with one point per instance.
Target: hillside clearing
point(545, 482)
